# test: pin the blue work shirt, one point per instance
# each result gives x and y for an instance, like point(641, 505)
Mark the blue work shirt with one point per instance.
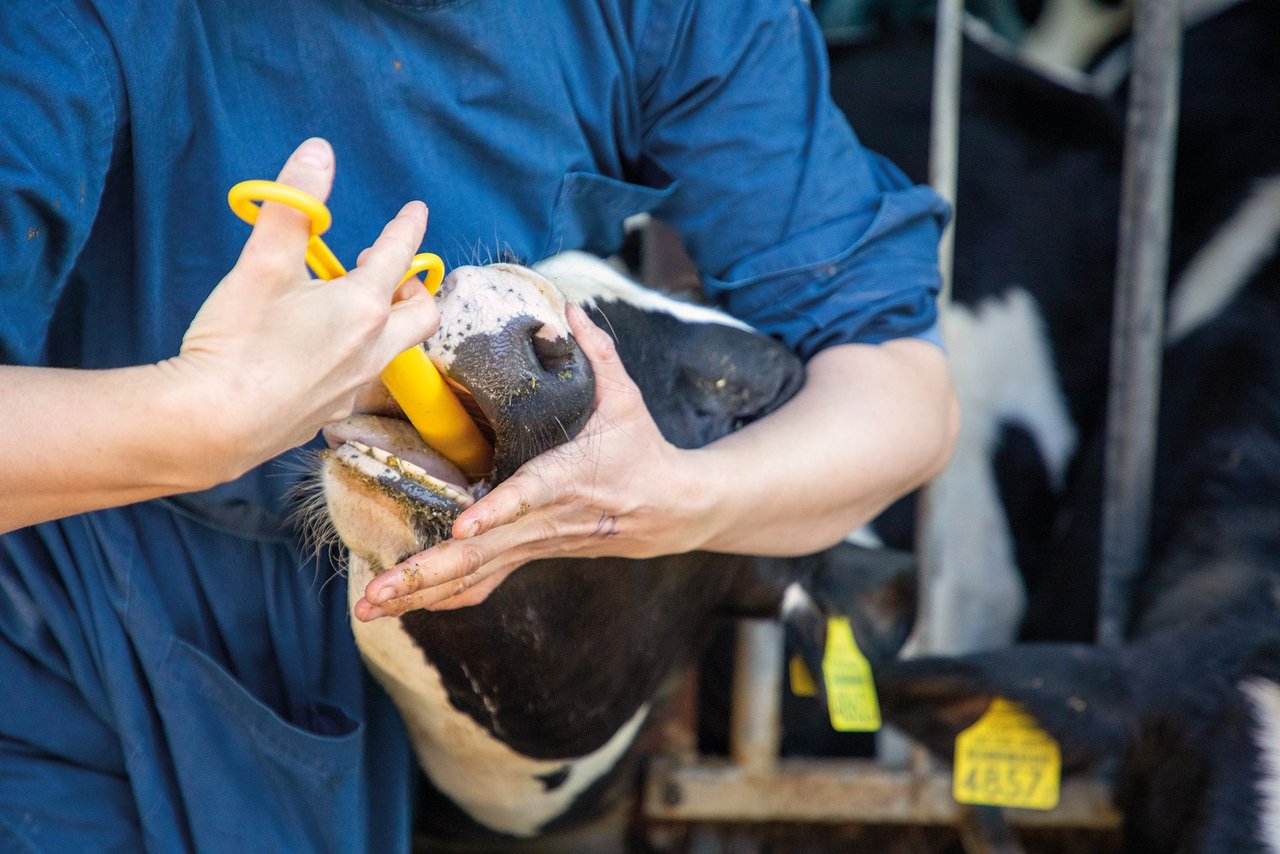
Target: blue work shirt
point(172, 678)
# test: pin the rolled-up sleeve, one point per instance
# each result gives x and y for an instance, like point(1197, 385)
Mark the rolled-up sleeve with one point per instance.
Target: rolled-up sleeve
point(796, 227)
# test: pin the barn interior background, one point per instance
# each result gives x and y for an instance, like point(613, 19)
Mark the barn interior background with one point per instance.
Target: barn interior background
point(1116, 173)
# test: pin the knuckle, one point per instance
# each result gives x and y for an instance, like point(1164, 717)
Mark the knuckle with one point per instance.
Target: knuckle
point(472, 560)
point(372, 310)
point(549, 529)
point(269, 262)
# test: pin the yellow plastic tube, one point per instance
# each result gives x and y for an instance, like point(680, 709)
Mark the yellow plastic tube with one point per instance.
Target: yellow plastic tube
point(412, 379)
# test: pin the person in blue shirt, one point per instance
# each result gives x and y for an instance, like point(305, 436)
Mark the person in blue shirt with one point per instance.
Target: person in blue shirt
point(176, 674)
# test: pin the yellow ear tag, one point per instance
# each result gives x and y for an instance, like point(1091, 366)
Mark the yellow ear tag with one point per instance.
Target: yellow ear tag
point(802, 684)
point(1006, 760)
point(851, 693)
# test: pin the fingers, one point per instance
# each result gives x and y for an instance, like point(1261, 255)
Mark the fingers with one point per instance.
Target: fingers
point(448, 595)
point(438, 573)
point(385, 262)
point(412, 321)
point(600, 351)
point(280, 235)
point(508, 502)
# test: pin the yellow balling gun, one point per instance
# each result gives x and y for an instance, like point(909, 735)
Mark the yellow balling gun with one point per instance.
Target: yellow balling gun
point(411, 378)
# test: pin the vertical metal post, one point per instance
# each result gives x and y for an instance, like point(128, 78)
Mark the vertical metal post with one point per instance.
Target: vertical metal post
point(755, 724)
point(1138, 319)
point(944, 158)
point(944, 134)
point(944, 145)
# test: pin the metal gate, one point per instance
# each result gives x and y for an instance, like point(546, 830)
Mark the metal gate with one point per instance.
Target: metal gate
point(754, 785)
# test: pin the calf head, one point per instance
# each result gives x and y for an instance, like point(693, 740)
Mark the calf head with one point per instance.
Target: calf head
point(504, 345)
point(520, 707)
point(1185, 724)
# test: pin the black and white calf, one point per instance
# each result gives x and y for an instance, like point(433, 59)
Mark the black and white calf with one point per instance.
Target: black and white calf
point(1184, 719)
point(523, 708)
point(1038, 206)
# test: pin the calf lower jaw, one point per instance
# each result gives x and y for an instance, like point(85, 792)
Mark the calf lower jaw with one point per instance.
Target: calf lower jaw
point(498, 787)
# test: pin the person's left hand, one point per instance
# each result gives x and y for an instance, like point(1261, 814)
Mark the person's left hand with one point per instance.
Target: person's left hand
point(618, 489)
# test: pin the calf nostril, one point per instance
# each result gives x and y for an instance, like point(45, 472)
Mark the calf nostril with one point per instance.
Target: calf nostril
point(554, 354)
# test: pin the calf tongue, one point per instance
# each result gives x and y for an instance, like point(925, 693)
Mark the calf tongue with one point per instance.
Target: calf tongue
point(397, 438)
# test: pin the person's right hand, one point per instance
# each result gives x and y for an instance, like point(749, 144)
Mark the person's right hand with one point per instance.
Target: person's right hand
point(272, 355)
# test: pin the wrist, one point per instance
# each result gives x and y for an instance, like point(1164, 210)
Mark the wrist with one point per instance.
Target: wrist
point(701, 485)
point(207, 441)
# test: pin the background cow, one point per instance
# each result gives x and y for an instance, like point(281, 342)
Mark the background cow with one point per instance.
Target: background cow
point(1185, 718)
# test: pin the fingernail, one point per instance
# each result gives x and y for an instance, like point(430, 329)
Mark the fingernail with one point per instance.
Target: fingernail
point(373, 614)
point(315, 152)
point(381, 597)
point(412, 207)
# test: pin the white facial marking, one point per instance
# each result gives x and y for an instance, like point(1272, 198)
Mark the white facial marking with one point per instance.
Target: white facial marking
point(476, 300)
point(796, 598)
point(1227, 261)
point(1002, 363)
point(492, 783)
point(586, 280)
point(1264, 695)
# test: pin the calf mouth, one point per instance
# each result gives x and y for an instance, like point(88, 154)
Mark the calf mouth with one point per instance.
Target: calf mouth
point(389, 494)
point(505, 349)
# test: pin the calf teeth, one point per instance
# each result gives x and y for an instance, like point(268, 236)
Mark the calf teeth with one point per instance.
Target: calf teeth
point(415, 472)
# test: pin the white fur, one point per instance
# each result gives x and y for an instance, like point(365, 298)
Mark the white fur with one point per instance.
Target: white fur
point(1265, 698)
point(1004, 373)
point(796, 598)
point(586, 280)
point(473, 300)
point(1226, 263)
point(492, 783)
point(1069, 33)
point(865, 537)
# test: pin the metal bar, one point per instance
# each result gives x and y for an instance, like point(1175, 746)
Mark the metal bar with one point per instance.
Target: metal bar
point(755, 724)
point(983, 830)
point(1138, 318)
point(944, 159)
point(944, 143)
point(844, 792)
point(944, 132)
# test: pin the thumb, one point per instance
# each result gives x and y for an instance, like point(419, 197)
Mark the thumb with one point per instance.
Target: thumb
point(281, 233)
point(600, 351)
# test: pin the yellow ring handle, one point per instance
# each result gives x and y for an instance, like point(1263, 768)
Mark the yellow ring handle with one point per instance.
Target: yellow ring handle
point(245, 197)
point(429, 263)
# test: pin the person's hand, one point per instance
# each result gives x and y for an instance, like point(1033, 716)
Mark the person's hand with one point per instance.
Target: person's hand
point(618, 489)
point(273, 355)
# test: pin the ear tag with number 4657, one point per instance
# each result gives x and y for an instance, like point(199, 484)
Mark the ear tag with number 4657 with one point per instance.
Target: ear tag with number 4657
point(1006, 760)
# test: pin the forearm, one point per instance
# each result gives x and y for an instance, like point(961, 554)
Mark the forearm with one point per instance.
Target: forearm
point(870, 424)
point(84, 440)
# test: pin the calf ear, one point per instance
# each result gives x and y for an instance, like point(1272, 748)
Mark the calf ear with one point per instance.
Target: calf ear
point(875, 589)
point(1076, 693)
point(734, 375)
